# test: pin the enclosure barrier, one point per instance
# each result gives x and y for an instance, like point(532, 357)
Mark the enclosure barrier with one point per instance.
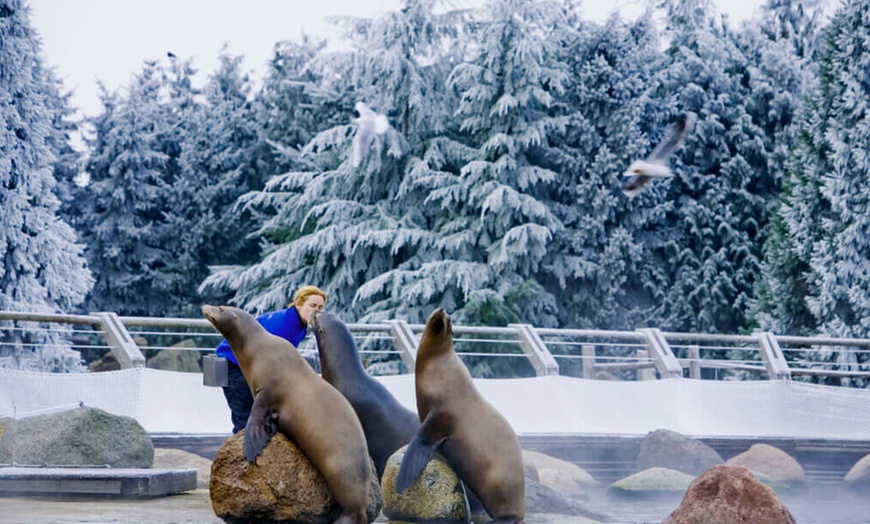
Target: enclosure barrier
point(515, 350)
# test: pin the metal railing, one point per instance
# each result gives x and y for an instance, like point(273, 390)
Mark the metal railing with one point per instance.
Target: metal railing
point(514, 350)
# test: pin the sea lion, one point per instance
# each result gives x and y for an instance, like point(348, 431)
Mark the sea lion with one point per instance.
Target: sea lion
point(387, 424)
point(474, 438)
point(290, 397)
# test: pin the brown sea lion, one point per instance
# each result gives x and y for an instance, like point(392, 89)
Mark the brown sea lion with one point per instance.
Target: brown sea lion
point(290, 397)
point(474, 438)
point(387, 424)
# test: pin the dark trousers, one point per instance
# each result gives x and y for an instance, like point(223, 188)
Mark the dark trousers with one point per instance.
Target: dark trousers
point(239, 397)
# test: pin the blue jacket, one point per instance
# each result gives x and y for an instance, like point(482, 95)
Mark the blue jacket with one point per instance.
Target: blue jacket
point(285, 324)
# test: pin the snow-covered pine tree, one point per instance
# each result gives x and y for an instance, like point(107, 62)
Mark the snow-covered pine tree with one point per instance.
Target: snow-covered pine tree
point(828, 196)
point(486, 186)
point(711, 256)
point(43, 269)
point(69, 162)
point(292, 107)
point(782, 45)
point(124, 228)
point(223, 156)
point(339, 224)
point(598, 268)
point(797, 22)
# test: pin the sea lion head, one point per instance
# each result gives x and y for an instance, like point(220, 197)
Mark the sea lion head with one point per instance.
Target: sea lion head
point(327, 328)
point(230, 321)
point(438, 335)
point(316, 321)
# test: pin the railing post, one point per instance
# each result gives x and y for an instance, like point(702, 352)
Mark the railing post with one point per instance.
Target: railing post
point(644, 373)
point(536, 351)
point(405, 342)
point(694, 362)
point(663, 358)
point(774, 360)
point(119, 341)
point(588, 361)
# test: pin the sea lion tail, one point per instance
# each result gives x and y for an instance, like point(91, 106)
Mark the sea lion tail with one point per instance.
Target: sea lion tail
point(419, 452)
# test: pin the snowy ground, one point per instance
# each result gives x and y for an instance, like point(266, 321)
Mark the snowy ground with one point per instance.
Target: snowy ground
point(170, 402)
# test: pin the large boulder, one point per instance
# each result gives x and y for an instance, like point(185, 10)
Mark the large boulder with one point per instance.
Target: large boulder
point(541, 499)
point(729, 494)
point(436, 495)
point(169, 458)
point(770, 464)
point(108, 363)
point(668, 449)
point(859, 474)
point(560, 475)
point(185, 359)
point(282, 486)
point(81, 436)
point(653, 481)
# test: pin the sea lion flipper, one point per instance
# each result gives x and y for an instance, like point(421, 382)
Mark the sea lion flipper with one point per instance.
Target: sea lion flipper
point(419, 452)
point(262, 425)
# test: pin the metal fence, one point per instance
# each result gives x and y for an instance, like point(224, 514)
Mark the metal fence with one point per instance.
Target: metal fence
point(511, 351)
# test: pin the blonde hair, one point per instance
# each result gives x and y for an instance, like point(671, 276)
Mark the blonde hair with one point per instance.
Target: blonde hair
point(304, 292)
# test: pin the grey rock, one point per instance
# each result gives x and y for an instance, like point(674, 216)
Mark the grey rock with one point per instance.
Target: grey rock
point(652, 481)
point(770, 463)
point(668, 449)
point(78, 437)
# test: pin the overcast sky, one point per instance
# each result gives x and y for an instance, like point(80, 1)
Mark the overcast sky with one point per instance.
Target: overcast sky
point(108, 40)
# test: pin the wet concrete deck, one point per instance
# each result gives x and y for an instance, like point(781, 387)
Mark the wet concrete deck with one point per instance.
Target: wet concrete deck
point(192, 507)
point(122, 482)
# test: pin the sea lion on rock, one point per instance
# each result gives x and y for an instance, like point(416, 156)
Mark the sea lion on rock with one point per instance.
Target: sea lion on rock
point(474, 438)
point(387, 424)
point(290, 397)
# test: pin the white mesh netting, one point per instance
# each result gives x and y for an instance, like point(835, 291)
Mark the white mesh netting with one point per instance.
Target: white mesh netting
point(170, 402)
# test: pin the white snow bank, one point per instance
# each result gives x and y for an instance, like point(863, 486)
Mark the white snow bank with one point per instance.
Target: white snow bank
point(170, 402)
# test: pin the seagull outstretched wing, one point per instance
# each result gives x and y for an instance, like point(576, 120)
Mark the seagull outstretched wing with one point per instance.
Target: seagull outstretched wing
point(639, 174)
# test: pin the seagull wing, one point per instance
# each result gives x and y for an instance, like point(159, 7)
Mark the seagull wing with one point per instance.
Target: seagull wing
point(368, 124)
point(681, 129)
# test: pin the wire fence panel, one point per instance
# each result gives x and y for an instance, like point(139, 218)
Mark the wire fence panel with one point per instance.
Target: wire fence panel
point(488, 351)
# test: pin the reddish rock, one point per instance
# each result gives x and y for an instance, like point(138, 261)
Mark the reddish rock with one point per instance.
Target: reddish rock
point(281, 486)
point(729, 494)
point(769, 462)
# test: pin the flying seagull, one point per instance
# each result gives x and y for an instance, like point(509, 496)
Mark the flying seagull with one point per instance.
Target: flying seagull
point(639, 174)
point(368, 124)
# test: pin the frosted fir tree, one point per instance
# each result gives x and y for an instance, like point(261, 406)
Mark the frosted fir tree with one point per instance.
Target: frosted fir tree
point(484, 188)
point(294, 104)
point(828, 191)
point(599, 269)
point(69, 162)
point(337, 224)
point(782, 47)
point(43, 268)
point(219, 160)
point(710, 260)
point(125, 226)
point(798, 22)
